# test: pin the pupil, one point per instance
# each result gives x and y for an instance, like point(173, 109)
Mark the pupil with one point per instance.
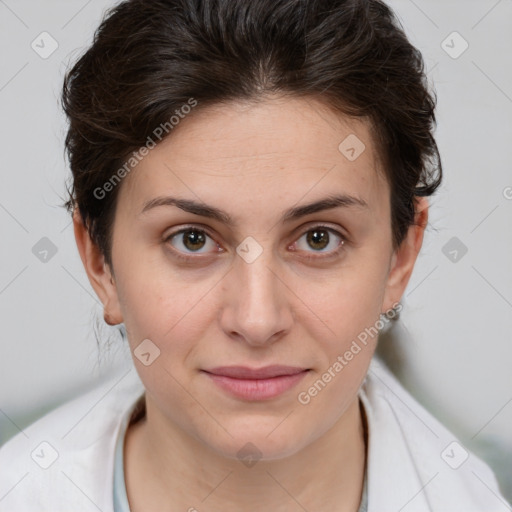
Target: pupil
point(320, 237)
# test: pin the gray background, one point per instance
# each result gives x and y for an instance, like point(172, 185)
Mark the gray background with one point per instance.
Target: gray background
point(452, 348)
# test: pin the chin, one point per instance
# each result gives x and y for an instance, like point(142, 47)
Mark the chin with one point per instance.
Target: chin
point(252, 444)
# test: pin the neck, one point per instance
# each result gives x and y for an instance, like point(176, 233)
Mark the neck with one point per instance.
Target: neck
point(164, 464)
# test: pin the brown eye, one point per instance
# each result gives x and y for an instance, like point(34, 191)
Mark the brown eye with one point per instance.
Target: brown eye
point(318, 238)
point(322, 240)
point(191, 240)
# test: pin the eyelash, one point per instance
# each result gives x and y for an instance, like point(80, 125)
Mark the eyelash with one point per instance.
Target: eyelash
point(342, 246)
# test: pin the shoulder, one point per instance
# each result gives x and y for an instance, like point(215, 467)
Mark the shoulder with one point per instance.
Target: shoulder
point(65, 459)
point(411, 452)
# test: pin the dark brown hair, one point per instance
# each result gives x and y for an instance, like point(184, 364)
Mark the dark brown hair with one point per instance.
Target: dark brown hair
point(149, 58)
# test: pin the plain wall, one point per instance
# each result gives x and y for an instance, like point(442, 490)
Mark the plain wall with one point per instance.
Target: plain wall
point(452, 348)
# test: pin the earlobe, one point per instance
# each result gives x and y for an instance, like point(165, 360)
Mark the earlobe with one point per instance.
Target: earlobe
point(404, 257)
point(98, 272)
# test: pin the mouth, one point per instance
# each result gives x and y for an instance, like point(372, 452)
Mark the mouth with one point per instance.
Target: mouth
point(256, 384)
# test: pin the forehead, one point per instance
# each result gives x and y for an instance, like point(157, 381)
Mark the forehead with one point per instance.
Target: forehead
point(261, 155)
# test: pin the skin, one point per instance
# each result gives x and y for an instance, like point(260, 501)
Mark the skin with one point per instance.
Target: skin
point(254, 161)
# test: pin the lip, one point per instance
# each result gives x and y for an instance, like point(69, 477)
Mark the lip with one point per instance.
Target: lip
point(256, 384)
point(244, 372)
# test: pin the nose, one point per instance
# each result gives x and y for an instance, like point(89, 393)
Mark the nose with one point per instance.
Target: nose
point(256, 305)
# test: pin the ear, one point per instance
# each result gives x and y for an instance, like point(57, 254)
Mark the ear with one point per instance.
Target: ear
point(99, 274)
point(404, 257)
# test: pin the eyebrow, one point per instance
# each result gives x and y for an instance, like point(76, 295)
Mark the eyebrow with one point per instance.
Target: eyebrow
point(204, 210)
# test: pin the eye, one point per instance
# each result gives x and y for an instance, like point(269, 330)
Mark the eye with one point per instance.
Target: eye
point(191, 240)
point(321, 239)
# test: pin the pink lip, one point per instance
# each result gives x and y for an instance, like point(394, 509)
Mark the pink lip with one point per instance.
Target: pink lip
point(256, 384)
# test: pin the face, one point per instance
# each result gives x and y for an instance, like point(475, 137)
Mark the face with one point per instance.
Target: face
point(243, 275)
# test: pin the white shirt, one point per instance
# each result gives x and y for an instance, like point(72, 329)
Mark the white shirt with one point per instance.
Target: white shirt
point(64, 462)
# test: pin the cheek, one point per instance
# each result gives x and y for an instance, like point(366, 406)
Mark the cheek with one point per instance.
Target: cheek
point(165, 312)
point(346, 337)
point(347, 302)
point(161, 304)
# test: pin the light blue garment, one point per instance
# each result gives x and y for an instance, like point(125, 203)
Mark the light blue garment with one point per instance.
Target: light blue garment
point(363, 507)
point(121, 499)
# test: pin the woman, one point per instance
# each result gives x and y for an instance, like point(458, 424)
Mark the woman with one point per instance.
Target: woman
point(249, 199)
